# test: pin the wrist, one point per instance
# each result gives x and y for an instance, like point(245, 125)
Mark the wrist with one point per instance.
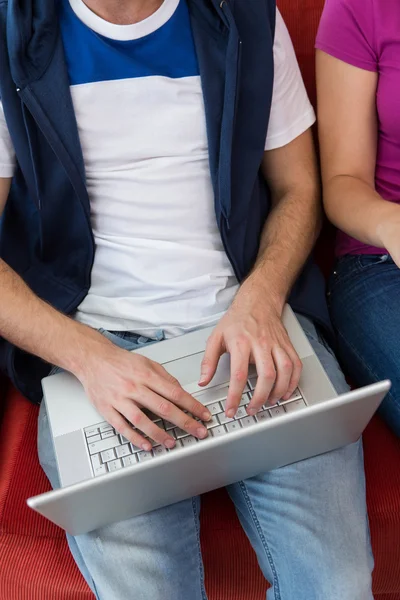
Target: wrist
point(260, 289)
point(83, 345)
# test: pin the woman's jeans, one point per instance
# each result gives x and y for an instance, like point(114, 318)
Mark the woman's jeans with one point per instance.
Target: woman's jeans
point(364, 299)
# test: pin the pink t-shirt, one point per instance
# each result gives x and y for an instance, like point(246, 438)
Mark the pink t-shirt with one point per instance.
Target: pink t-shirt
point(366, 34)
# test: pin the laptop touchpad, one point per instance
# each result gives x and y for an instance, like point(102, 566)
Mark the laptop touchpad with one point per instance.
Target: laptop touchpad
point(187, 371)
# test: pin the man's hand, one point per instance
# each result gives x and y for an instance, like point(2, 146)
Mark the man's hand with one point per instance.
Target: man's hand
point(121, 384)
point(252, 332)
point(252, 329)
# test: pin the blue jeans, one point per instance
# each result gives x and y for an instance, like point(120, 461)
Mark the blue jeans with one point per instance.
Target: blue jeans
point(307, 523)
point(364, 301)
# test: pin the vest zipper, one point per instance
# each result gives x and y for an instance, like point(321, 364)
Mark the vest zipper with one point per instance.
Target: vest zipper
point(232, 82)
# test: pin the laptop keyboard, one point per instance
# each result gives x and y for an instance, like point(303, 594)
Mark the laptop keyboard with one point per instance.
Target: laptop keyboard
point(110, 451)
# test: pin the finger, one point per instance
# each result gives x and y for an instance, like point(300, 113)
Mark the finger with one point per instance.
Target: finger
point(284, 370)
point(297, 369)
point(168, 387)
point(145, 425)
point(170, 412)
point(266, 378)
point(240, 357)
point(212, 354)
point(121, 426)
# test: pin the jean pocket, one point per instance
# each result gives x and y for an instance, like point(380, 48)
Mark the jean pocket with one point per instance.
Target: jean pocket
point(371, 260)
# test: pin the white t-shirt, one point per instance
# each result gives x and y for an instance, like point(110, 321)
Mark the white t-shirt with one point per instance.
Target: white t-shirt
point(136, 90)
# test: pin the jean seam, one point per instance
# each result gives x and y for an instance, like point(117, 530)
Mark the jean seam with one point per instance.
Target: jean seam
point(200, 558)
point(262, 537)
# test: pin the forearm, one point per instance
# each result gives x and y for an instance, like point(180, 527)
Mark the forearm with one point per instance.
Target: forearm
point(357, 209)
point(36, 327)
point(287, 240)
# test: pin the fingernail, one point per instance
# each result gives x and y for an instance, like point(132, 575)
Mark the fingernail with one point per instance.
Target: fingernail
point(202, 378)
point(230, 413)
point(170, 443)
point(201, 432)
point(251, 411)
point(146, 446)
point(206, 416)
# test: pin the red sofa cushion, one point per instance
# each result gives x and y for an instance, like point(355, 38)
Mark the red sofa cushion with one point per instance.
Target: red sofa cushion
point(35, 560)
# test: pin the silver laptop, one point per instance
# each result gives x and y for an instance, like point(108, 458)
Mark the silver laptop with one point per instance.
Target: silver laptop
point(105, 479)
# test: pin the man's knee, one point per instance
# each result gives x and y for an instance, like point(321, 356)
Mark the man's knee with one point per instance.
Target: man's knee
point(350, 575)
point(354, 582)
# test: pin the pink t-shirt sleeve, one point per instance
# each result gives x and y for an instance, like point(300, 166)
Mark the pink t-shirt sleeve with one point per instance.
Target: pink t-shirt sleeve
point(346, 31)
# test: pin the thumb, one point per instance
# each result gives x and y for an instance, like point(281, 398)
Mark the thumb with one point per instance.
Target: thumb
point(211, 358)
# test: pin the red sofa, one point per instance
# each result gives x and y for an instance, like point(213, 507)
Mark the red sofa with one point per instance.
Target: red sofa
point(35, 563)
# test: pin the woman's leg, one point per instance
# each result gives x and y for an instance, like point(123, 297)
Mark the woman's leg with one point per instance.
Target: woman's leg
point(364, 301)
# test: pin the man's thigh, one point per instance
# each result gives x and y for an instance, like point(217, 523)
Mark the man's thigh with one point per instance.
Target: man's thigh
point(153, 556)
point(308, 521)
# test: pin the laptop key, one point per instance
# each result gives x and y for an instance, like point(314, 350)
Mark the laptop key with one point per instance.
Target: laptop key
point(129, 460)
point(180, 433)
point(102, 445)
point(160, 450)
point(247, 422)
point(213, 422)
point(96, 462)
point(153, 443)
point(214, 408)
point(277, 411)
point(168, 425)
point(100, 470)
point(105, 427)
point(134, 449)
point(107, 434)
point(218, 431)
point(152, 416)
point(143, 456)
point(94, 438)
point(123, 450)
point(262, 416)
point(295, 405)
point(189, 441)
point(123, 439)
point(178, 446)
point(296, 395)
point(89, 431)
point(233, 426)
point(241, 413)
point(108, 455)
point(245, 399)
point(253, 383)
point(223, 419)
point(114, 465)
